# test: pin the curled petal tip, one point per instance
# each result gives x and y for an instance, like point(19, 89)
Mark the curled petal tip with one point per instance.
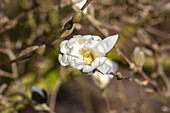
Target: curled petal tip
point(109, 42)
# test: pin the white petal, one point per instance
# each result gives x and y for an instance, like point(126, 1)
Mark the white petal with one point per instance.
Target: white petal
point(63, 47)
point(109, 76)
point(96, 38)
point(98, 51)
point(63, 60)
point(95, 63)
point(113, 64)
point(101, 80)
point(64, 50)
point(75, 50)
point(81, 41)
point(75, 63)
point(105, 68)
point(77, 36)
point(87, 69)
point(101, 48)
point(63, 43)
point(71, 61)
point(109, 42)
point(80, 67)
point(87, 37)
point(73, 40)
point(104, 79)
point(102, 60)
point(93, 66)
point(78, 4)
point(79, 62)
point(92, 44)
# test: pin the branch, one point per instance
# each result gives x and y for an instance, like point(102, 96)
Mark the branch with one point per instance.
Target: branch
point(144, 76)
point(120, 77)
point(158, 32)
point(132, 66)
point(14, 22)
point(67, 26)
point(13, 66)
point(55, 92)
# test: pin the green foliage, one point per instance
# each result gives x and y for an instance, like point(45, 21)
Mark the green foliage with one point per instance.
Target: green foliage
point(149, 64)
point(53, 18)
point(130, 30)
point(166, 63)
point(49, 81)
point(115, 57)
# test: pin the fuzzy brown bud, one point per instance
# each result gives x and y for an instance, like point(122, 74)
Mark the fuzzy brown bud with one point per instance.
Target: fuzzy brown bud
point(41, 49)
point(138, 56)
point(119, 76)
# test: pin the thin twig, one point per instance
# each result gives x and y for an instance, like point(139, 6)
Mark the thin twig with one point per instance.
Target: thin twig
point(106, 100)
point(131, 64)
point(59, 81)
point(95, 25)
point(67, 26)
point(6, 74)
point(144, 76)
point(123, 77)
point(57, 86)
point(123, 55)
point(158, 32)
point(17, 59)
point(86, 4)
point(14, 22)
point(55, 92)
point(11, 55)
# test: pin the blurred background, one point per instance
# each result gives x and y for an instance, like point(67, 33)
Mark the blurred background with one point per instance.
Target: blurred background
point(26, 24)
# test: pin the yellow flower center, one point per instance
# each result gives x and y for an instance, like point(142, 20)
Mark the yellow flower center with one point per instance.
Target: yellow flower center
point(87, 57)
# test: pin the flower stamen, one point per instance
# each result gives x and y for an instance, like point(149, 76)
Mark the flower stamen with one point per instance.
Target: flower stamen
point(87, 57)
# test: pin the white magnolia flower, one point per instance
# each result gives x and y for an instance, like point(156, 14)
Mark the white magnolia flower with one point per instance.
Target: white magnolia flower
point(78, 4)
point(102, 80)
point(86, 53)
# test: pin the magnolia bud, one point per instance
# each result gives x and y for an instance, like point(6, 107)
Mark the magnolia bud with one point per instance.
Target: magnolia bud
point(68, 32)
point(39, 95)
point(28, 50)
point(119, 76)
point(41, 49)
point(148, 90)
point(101, 80)
point(138, 56)
point(77, 17)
